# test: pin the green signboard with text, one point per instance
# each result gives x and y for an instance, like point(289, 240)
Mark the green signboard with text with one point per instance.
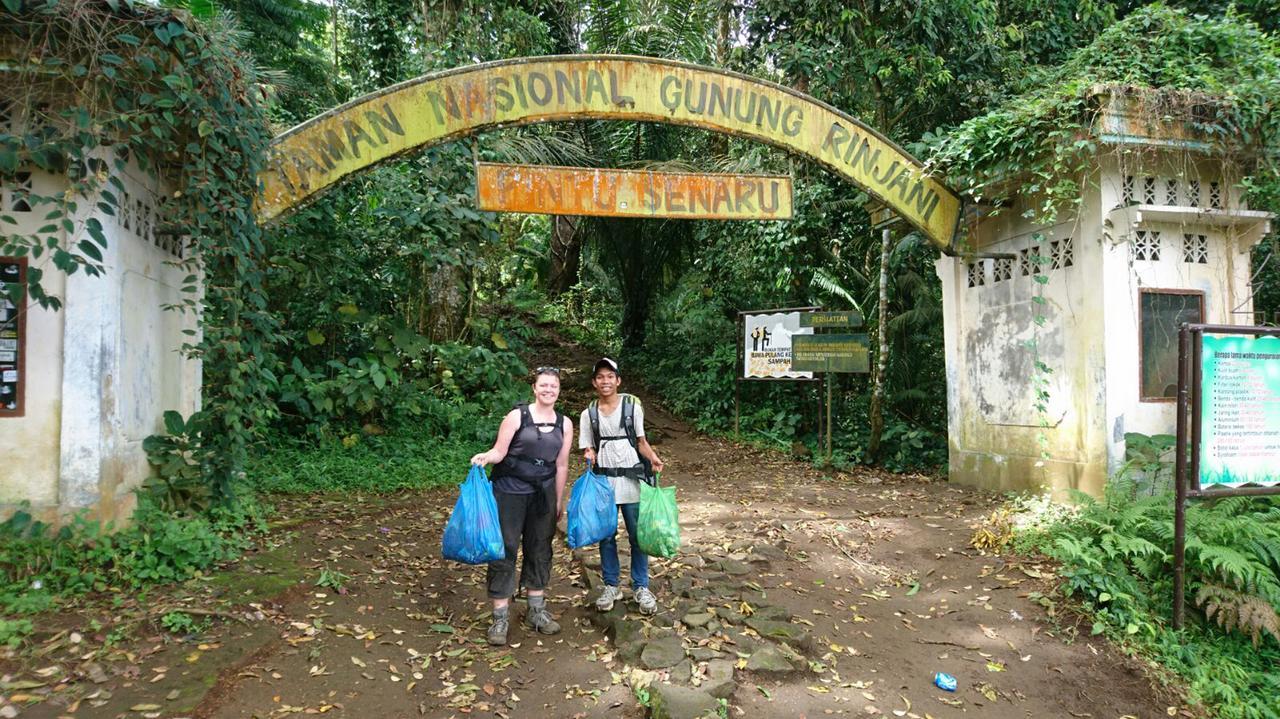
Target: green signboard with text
point(1240, 411)
point(831, 320)
point(830, 353)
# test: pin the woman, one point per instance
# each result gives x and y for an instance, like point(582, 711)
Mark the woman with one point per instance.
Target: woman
point(532, 458)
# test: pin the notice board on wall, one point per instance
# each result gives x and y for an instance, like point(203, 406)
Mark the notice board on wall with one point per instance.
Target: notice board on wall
point(13, 345)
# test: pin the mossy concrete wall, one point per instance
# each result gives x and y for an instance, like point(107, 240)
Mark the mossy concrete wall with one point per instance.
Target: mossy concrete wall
point(1089, 339)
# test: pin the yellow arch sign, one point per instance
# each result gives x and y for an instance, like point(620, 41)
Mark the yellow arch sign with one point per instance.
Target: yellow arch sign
point(446, 105)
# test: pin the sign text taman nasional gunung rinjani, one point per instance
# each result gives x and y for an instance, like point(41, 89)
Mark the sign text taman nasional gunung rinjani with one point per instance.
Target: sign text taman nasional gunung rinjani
point(435, 108)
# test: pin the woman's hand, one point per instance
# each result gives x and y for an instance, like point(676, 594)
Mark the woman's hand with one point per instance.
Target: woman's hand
point(481, 459)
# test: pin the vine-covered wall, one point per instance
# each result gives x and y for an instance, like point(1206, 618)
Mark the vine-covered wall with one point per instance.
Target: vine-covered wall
point(104, 90)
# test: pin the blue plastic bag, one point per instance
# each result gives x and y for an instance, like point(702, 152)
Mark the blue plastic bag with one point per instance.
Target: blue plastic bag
point(473, 534)
point(593, 514)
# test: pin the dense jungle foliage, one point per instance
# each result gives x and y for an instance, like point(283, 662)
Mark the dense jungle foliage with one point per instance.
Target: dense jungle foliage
point(368, 341)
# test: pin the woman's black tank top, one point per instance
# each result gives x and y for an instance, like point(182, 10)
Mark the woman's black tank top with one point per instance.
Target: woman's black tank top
point(532, 455)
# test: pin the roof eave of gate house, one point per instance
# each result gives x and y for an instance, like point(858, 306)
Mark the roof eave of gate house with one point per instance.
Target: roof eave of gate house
point(1118, 121)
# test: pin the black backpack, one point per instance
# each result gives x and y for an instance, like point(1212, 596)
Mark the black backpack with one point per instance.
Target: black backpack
point(643, 471)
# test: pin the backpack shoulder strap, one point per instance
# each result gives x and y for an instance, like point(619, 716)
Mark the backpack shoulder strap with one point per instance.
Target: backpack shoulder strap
point(629, 419)
point(526, 418)
point(593, 414)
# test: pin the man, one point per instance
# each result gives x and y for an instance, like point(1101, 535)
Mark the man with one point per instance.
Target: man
point(612, 439)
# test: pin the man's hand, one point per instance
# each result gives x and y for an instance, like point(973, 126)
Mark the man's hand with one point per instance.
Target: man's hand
point(589, 454)
point(657, 463)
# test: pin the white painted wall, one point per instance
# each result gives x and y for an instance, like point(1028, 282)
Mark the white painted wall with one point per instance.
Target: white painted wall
point(29, 444)
point(102, 370)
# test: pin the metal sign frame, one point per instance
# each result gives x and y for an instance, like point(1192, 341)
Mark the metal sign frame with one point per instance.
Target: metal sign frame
point(1187, 463)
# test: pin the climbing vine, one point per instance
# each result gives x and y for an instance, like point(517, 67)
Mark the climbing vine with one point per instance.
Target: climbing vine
point(95, 87)
point(1218, 77)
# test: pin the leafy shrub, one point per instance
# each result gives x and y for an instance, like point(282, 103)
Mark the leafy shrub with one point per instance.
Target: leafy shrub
point(38, 564)
point(1116, 557)
point(183, 624)
point(179, 483)
point(13, 631)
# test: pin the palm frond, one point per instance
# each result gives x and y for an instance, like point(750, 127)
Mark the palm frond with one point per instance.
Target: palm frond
point(832, 285)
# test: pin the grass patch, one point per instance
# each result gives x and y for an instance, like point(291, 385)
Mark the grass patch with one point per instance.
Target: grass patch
point(260, 577)
point(381, 463)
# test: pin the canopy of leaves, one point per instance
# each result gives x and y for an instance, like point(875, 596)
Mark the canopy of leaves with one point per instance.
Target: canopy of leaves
point(1220, 75)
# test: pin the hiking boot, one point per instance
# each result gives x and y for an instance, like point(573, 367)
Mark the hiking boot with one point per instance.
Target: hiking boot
point(648, 603)
point(540, 619)
point(608, 596)
point(497, 633)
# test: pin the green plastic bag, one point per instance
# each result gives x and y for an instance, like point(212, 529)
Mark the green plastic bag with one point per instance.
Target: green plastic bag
point(659, 528)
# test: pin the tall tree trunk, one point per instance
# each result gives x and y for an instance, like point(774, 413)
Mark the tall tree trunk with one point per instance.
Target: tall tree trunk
point(882, 355)
point(566, 254)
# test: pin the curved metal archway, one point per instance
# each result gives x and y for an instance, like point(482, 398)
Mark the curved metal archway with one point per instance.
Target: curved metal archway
point(446, 105)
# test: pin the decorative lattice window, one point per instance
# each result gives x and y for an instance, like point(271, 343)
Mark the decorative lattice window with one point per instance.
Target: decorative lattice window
point(1215, 195)
point(38, 120)
point(1195, 249)
point(1003, 269)
point(6, 116)
point(1061, 254)
point(1127, 190)
point(1171, 191)
point(977, 273)
point(1146, 246)
point(146, 224)
point(1027, 260)
point(20, 193)
point(1148, 190)
point(126, 210)
point(1193, 193)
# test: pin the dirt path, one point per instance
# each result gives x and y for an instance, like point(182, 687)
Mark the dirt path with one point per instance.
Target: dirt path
point(865, 583)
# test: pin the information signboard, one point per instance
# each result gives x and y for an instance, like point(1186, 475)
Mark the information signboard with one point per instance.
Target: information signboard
point(766, 343)
point(1239, 412)
point(831, 353)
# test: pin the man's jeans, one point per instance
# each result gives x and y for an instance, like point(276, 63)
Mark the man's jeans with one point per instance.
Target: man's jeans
point(609, 565)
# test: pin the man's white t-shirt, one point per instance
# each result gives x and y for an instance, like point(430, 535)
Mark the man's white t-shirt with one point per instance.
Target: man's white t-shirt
point(617, 452)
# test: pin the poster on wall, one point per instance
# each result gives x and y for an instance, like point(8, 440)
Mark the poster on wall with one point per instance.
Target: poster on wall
point(12, 288)
point(1240, 411)
point(767, 345)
